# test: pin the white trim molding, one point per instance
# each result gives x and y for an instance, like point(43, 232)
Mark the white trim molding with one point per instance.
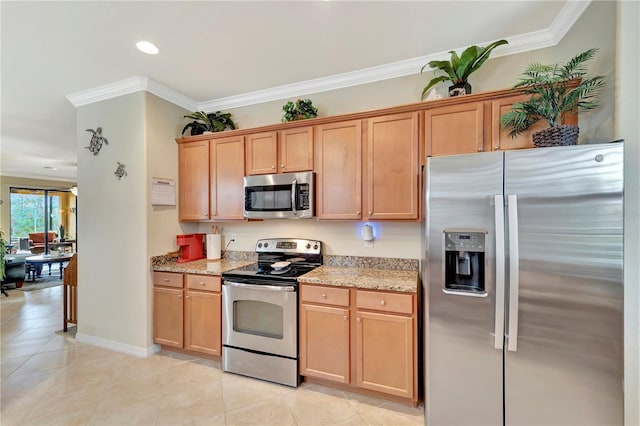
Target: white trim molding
point(117, 346)
point(128, 86)
point(519, 43)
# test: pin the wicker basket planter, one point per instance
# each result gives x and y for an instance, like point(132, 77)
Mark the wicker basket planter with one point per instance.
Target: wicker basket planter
point(556, 136)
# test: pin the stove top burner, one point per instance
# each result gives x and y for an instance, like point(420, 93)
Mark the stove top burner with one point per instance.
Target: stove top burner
point(303, 256)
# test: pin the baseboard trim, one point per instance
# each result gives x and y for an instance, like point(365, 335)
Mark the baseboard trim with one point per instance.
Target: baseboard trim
point(117, 346)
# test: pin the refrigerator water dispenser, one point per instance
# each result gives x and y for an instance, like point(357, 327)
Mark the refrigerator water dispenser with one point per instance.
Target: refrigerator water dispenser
point(464, 261)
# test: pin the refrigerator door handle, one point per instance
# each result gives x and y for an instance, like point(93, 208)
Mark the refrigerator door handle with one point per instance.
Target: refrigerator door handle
point(514, 270)
point(500, 263)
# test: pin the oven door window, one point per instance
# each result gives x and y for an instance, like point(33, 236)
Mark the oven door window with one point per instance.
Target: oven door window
point(258, 318)
point(268, 198)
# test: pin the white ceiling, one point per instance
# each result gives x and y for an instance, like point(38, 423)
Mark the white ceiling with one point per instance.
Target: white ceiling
point(211, 50)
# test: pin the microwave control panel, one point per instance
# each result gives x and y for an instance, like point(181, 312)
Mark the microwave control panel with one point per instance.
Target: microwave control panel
point(303, 197)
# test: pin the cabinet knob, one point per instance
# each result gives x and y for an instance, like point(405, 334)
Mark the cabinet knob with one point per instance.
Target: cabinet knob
point(324, 296)
point(358, 319)
point(201, 282)
point(273, 167)
point(370, 213)
point(187, 297)
point(166, 280)
point(346, 317)
point(480, 149)
point(179, 296)
point(358, 212)
point(282, 166)
point(382, 302)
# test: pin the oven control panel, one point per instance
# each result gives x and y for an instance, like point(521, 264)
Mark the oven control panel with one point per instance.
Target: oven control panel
point(289, 245)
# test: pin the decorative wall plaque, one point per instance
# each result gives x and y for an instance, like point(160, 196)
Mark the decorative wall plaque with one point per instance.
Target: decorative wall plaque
point(95, 144)
point(120, 171)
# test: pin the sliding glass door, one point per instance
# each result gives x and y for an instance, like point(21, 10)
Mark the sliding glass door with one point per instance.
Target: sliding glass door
point(41, 217)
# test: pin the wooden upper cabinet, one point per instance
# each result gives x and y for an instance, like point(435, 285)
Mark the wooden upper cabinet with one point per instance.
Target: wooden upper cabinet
point(296, 149)
point(339, 170)
point(289, 150)
point(227, 173)
point(262, 153)
point(393, 175)
point(454, 129)
point(193, 175)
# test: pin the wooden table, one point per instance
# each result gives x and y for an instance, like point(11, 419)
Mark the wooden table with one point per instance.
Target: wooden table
point(34, 263)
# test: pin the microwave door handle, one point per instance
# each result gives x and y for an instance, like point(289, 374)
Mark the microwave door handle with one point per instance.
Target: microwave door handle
point(294, 185)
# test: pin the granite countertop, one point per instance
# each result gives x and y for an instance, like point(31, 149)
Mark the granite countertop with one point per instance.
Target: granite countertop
point(389, 274)
point(202, 266)
point(365, 278)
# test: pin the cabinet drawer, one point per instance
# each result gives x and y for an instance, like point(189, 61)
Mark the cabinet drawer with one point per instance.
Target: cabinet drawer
point(204, 282)
point(167, 279)
point(388, 302)
point(325, 295)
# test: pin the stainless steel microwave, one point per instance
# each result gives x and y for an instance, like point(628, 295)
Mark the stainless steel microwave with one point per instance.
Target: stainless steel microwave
point(279, 196)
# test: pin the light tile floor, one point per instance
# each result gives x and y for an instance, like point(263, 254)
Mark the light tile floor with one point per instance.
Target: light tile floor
point(49, 379)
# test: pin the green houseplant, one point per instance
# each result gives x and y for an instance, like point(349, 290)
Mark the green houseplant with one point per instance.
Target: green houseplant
point(459, 68)
point(211, 122)
point(300, 110)
point(555, 92)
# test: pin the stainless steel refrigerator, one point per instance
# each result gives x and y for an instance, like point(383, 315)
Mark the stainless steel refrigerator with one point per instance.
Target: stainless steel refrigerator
point(524, 288)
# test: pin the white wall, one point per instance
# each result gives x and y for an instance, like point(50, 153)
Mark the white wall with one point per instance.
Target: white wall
point(119, 229)
point(628, 128)
point(393, 239)
point(112, 250)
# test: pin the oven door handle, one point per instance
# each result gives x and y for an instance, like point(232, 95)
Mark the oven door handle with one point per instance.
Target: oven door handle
point(288, 288)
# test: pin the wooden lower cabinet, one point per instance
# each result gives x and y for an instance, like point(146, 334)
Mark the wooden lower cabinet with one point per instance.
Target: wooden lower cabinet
point(188, 318)
point(168, 318)
point(362, 339)
point(203, 317)
point(324, 342)
point(385, 351)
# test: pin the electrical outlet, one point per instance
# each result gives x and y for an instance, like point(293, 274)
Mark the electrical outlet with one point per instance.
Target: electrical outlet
point(234, 237)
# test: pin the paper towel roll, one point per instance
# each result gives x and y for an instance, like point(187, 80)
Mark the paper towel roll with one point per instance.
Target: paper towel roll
point(214, 242)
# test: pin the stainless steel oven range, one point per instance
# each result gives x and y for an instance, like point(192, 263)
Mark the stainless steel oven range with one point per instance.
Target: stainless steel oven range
point(260, 310)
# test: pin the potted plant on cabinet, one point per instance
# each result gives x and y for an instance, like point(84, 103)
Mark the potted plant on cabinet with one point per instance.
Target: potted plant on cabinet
point(555, 92)
point(300, 110)
point(211, 122)
point(459, 68)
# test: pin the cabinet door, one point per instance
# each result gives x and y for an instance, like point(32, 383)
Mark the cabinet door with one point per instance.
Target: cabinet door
point(262, 153)
point(339, 170)
point(324, 342)
point(296, 150)
point(168, 318)
point(203, 329)
point(227, 171)
point(456, 129)
point(385, 353)
point(392, 167)
point(193, 173)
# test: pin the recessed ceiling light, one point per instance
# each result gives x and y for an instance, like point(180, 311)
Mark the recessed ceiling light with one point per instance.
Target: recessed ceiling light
point(147, 47)
point(50, 167)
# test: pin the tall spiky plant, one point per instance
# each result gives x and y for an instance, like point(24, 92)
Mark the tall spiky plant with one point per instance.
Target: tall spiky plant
point(459, 68)
point(556, 90)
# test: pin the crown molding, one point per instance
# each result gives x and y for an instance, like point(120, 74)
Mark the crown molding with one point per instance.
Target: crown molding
point(131, 85)
point(519, 43)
